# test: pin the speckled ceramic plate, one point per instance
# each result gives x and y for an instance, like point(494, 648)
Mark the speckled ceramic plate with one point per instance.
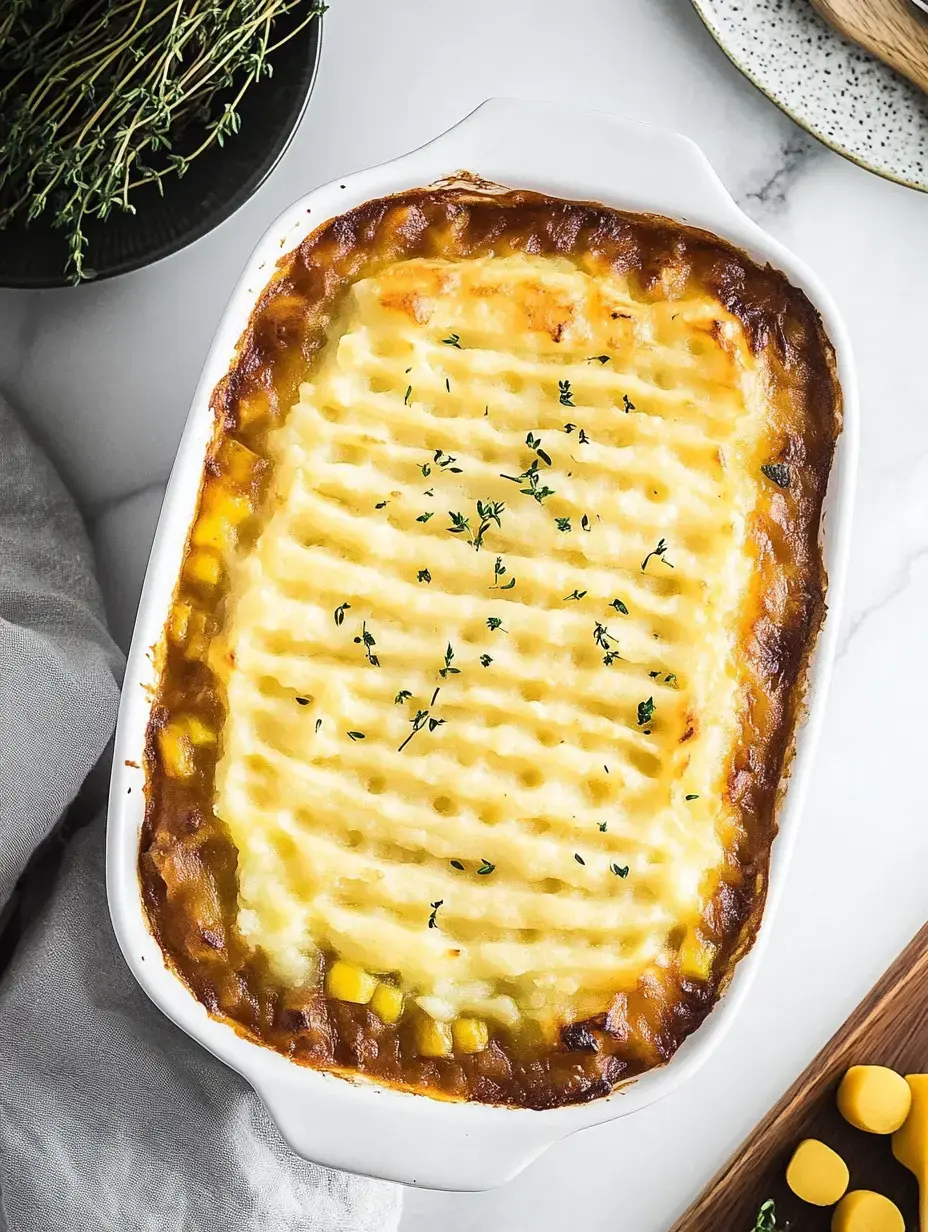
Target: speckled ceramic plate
point(849, 100)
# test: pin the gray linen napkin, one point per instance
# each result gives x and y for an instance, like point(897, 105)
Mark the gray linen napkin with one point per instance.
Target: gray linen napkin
point(111, 1120)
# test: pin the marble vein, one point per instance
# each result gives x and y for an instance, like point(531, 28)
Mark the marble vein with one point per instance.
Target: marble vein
point(902, 578)
point(771, 194)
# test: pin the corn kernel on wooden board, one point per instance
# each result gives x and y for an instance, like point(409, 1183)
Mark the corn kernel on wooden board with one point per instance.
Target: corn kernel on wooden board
point(889, 1027)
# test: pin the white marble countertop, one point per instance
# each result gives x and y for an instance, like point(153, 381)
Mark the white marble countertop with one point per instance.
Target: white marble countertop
point(105, 375)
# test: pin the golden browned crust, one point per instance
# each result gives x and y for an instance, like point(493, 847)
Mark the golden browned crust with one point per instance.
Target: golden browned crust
point(187, 864)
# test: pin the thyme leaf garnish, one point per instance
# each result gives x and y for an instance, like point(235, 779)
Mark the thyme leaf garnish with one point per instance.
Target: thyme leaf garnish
point(485, 868)
point(619, 872)
point(446, 462)
point(645, 712)
point(366, 640)
point(354, 735)
point(453, 340)
point(534, 442)
point(487, 511)
point(565, 397)
point(448, 670)
point(499, 570)
point(433, 920)
point(619, 606)
point(423, 719)
point(424, 517)
point(659, 553)
point(563, 524)
point(401, 697)
point(495, 622)
point(423, 576)
point(339, 613)
point(485, 660)
point(574, 594)
point(777, 472)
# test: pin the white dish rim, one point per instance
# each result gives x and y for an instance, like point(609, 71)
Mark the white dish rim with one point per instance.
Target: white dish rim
point(357, 1125)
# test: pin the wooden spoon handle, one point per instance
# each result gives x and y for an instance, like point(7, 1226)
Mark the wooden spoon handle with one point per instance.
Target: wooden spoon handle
point(890, 29)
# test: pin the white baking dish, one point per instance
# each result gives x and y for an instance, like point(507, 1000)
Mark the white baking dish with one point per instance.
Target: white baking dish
point(356, 1125)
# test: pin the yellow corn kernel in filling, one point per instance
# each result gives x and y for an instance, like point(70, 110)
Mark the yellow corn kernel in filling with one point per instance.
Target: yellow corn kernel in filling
point(204, 567)
point(179, 626)
point(176, 749)
point(470, 1034)
point(237, 461)
point(696, 957)
point(346, 982)
point(198, 731)
point(434, 1038)
point(387, 1003)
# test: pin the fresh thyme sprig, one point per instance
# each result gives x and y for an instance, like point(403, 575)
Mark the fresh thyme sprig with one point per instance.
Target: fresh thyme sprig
point(100, 98)
point(366, 640)
point(448, 670)
point(433, 918)
point(499, 570)
point(565, 396)
point(488, 512)
point(453, 340)
point(659, 553)
point(423, 718)
point(531, 476)
point(446, 462)
point(534, 442)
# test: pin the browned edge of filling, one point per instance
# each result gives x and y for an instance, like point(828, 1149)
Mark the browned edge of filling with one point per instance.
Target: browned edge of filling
point(187, 863)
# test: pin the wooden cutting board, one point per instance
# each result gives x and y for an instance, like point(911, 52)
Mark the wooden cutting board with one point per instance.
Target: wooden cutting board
point(892, 30)
point(889, 1027)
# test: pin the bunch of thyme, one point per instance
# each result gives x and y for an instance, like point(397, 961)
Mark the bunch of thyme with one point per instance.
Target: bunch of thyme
point(95, 96)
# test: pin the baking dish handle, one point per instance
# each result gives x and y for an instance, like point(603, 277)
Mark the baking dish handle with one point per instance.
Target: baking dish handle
point(593, 154)
point(360, 1127)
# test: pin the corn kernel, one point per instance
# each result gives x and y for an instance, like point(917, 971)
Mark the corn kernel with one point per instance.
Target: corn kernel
point(434, 1038)
point(198, 731)
point(470, 1034)
point(346, 982)
point(696, 957)
point(176, 749)
point(212, 530)
point(179, 624)
point(387, 1003)
point(204, 567)
point(196, 648)
point(234, 507)
point(237, 461)
point(252, 410)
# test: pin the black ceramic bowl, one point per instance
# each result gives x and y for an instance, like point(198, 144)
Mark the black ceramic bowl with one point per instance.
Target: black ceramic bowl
point(215, 185)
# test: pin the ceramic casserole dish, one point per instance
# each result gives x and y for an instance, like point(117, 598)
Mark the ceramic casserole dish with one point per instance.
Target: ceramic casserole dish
point(355, 1123)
